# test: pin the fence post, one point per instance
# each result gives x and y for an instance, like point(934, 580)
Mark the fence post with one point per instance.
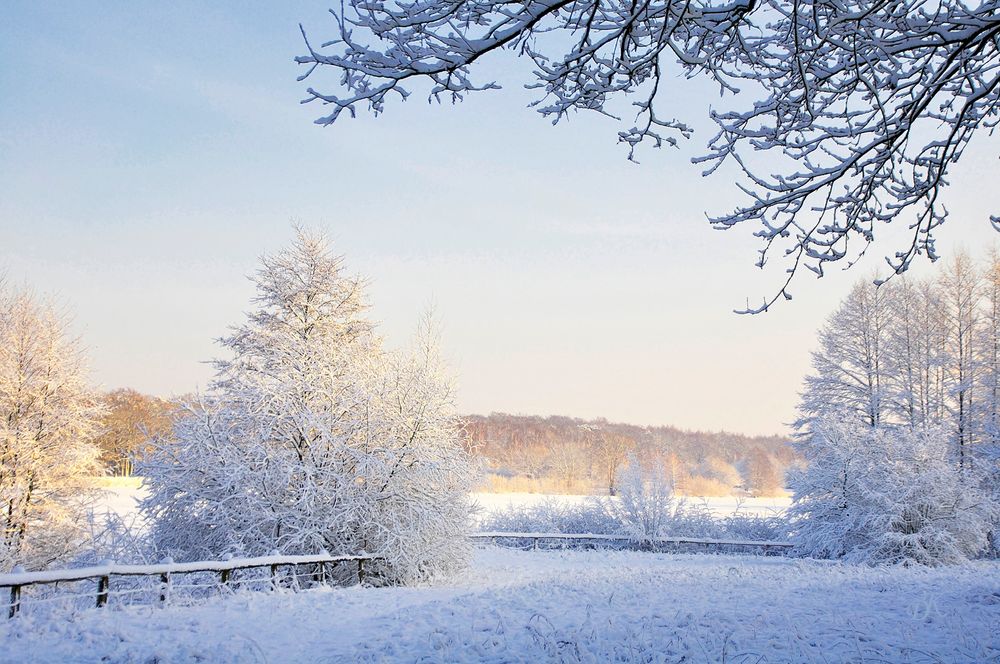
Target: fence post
point(15, 593)
point(224, 573)
point(319, 574)
point(164, 587)
point(15, 600)
point(165, 582)
point(102, 590)
point(102, 584)
point(274, 576)
point(361, 570)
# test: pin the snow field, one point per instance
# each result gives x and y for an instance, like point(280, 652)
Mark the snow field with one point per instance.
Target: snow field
point(121, 499)
point(564, 606)
point(719, 506)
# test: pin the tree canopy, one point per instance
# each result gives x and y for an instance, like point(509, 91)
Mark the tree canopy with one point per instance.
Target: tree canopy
point(842, 115)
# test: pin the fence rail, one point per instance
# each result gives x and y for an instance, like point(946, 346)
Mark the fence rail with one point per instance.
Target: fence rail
point(766, 547)
point(102, 574)
point(323, 565)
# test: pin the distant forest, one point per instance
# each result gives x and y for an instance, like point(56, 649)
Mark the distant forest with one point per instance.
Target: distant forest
point(529, 453)
point(569, 455)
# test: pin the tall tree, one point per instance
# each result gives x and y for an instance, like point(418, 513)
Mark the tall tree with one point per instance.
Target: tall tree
point(961, 290)
point(918, 336)
point(314, 437)
point(47, 416)
point(853, 366)
point(989, 344)
point(611, 451)
point(763, 478)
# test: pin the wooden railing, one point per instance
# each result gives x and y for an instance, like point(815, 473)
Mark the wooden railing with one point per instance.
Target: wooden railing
point(103, 574)
point(648, 544)
point(321, 564)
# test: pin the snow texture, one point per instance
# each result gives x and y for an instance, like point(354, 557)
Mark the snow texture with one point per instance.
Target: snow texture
point(572, 606)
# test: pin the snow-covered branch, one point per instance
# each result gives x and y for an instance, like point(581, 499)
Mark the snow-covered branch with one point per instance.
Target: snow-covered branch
point(843, 116)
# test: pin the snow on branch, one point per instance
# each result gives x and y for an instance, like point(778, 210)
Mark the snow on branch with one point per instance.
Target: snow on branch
point(845, 115)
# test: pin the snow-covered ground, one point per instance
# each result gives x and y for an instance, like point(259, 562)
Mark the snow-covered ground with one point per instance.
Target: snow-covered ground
point(121, 499)
point(569, 606)
point(725, 506)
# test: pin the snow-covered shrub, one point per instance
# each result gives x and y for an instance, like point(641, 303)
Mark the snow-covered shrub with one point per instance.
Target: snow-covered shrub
point(316, 438)
point(644, 509)
point(111, 536)
point(553, 516)
point(755, 527)
point(645, 500)
point(600, 516)
point(885, 495)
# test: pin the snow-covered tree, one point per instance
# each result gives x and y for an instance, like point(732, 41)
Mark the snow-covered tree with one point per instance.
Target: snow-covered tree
point(918, 335)
point(852, 367)
point(885, 494)
point(314, 437)
point(928, 436)
point(960, 289)
point(47, 417)
point(989, 344)
point(845, 116)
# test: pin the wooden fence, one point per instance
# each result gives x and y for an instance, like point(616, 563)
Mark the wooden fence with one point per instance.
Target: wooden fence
point(103, 574)
point(321, 564)
point(651, 544)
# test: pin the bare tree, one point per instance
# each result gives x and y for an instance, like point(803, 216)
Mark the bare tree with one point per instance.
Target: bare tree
point(961, 291)
point(989, 343)
point(850, 116)
point(763, 478)
point(569, 463)
point(918, 336)
point(611, 451)
point(132, 420)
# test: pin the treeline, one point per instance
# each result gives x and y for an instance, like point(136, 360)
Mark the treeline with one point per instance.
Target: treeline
point(900, 422)
point(559, 454)
point(917, 352)
point(584, 456)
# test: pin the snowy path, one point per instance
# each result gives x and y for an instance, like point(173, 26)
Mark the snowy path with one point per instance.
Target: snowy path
point(591, 606)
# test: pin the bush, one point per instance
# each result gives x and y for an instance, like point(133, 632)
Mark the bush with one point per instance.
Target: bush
point(644, 509)
point(886, 495)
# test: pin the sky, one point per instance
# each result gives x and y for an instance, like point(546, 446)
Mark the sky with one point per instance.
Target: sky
point(150, 152)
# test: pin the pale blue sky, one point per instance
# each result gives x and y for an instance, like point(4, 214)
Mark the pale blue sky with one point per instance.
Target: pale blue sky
point(149, 152)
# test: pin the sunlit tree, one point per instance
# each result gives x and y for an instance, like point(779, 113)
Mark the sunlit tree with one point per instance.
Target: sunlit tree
point(130, 422)
point(47, 417)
